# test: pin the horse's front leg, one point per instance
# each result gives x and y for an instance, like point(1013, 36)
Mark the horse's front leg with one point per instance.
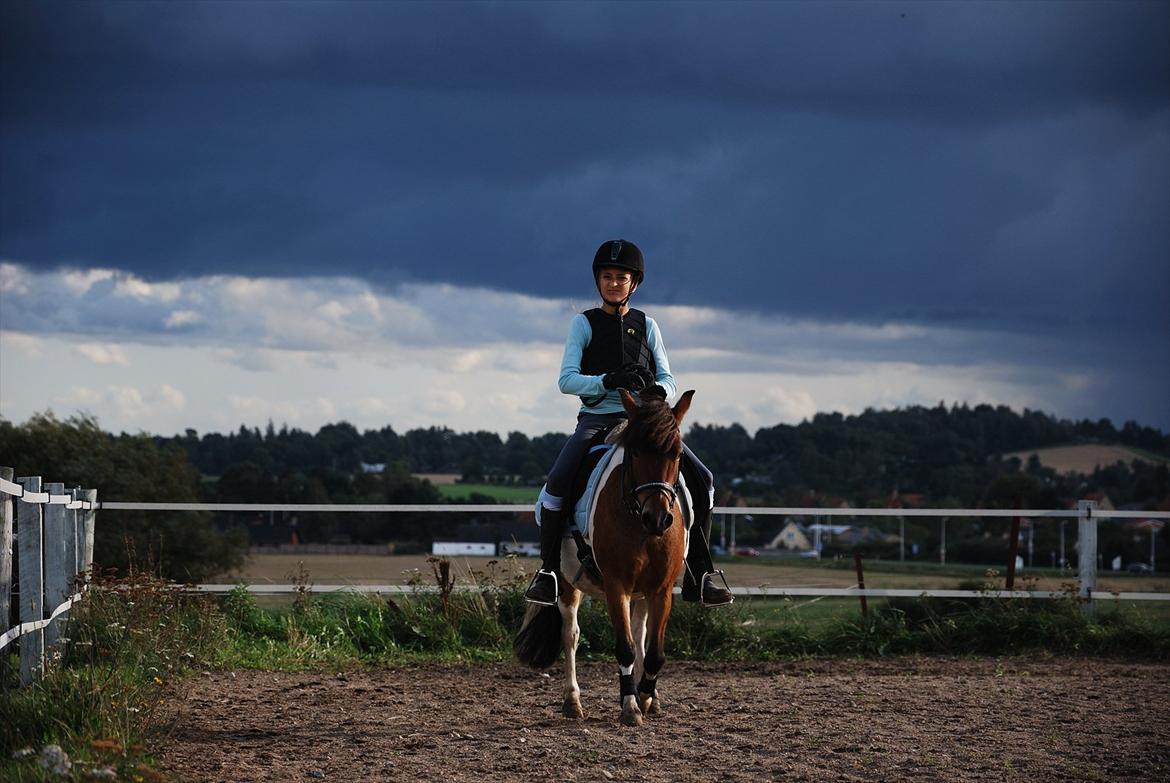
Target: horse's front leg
point(658, 613)
point(638, 629)
point(618, 602)
point(570, 636)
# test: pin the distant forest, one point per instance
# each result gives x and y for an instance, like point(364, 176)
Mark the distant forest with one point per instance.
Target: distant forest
point(943, 457)
point(948, 455)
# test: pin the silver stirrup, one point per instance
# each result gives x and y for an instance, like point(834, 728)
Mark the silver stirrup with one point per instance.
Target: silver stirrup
point(556, 588)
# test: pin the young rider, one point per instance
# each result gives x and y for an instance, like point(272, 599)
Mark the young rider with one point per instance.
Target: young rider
point(612, 347)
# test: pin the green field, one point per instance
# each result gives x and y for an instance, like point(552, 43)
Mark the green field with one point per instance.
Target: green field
point(503, 493)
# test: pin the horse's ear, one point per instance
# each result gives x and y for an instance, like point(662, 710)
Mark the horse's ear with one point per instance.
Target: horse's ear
point(683, 404)
point(628, 402)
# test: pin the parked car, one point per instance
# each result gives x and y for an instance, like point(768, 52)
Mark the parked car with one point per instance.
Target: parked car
point(747, 551)
point(1139, 568)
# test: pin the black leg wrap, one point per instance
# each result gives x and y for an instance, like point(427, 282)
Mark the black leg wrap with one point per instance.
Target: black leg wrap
point(626, 686)
point(648, 687)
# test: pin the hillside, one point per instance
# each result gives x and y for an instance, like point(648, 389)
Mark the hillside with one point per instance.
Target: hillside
point(1086, 458)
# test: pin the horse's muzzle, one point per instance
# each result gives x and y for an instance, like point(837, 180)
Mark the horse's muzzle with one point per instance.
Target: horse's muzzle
point(657, 521)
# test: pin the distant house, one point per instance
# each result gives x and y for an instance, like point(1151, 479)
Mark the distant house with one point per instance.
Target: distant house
point(490, 540)
point(798, 537)
point(793, 537)
point(373, 467)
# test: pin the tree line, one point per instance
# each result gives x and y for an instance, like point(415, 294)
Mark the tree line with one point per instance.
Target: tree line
point(945, 456)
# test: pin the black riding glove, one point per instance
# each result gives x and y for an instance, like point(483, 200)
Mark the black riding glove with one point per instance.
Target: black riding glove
point(623, 379)
point(654, 391)
point(644, 373)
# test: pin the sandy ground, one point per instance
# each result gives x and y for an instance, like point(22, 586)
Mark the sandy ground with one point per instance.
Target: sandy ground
point(888, 720)
point(754, 572)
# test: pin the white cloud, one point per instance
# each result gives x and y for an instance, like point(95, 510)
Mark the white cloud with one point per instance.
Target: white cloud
point(14, 280)
point(130, 286)
point(306, 351)
point(442, 401)
point(123, 406)
point(79, 281)
point(108, 353)
point(26, 344)
point(180, 318)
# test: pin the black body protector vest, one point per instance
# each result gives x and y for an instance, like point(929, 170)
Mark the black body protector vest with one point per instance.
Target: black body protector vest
point(617, 340)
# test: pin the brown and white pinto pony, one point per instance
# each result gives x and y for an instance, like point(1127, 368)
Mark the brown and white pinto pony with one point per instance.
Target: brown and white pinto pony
point(639, 545)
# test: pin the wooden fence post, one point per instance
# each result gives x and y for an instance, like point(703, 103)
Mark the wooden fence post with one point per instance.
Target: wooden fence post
point(57, 567)
point(5, 566)
point(72, 543)
point(29, 534)
point(87, 523)
point(1087, 549)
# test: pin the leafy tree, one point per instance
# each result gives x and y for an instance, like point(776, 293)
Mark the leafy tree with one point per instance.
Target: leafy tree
point(76, 452)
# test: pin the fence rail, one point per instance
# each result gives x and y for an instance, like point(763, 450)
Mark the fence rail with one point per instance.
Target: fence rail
point(756, 592)
point(1087, 514)
point(520, 508)
point(53, 530)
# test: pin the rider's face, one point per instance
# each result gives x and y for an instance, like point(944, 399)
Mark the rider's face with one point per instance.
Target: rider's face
point(615, 284)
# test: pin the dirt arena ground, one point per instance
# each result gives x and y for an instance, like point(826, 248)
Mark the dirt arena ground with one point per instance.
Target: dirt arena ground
point(748, 572)
point(838, 720)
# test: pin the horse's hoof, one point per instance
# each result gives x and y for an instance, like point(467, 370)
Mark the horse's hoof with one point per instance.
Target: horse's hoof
point(645, 703)
point(571, 708)
point(631, 717)
point(654, 707)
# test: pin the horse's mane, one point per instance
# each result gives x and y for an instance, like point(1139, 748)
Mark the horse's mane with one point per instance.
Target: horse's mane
point(653, 428)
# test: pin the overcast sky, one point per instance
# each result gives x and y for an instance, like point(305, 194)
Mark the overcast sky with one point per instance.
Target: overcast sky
point(224, 213)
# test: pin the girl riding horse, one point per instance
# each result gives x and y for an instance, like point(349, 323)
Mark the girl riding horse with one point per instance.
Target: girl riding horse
point(614, 347)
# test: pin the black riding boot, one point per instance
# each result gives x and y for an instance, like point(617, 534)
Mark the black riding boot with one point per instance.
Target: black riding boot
point(699, 574)
point(543, 589)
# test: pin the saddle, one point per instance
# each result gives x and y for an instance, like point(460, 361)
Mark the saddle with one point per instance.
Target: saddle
point(602, 457)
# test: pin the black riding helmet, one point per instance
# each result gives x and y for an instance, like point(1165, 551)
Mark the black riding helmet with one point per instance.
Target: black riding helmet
point(622, 254)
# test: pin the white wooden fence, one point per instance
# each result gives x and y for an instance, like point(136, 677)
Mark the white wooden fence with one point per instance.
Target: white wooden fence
point(1087, 514)
point(54, 551)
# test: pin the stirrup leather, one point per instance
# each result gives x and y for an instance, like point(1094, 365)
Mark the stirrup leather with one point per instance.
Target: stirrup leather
point(556, 588)
point(722, 578)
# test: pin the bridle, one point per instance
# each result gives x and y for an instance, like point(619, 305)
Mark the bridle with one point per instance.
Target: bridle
point(632, 495)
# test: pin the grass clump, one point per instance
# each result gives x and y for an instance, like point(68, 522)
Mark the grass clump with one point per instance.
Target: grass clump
point(107, 693)
point(350, 628)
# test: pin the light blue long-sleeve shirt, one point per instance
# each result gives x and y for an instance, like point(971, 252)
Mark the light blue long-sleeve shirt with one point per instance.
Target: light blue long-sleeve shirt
point(572, 381)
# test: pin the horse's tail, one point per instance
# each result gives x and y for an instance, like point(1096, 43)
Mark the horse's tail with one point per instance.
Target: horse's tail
point(539, 641)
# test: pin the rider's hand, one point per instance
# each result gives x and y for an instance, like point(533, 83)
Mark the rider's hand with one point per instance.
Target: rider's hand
point(654, 390)
point(623, 379)
point(644, 373)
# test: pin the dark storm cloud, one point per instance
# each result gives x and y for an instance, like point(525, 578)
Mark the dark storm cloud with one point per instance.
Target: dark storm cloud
point(997, 166)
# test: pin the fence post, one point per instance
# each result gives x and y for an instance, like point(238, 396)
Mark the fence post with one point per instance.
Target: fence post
point(29, 534)
point(5, 566)
point(87, 523)
point(73, 541)
point(1087, 548)
point(57, 567)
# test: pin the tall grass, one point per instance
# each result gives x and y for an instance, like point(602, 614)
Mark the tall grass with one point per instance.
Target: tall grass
point(108, 691)
point(479, 625)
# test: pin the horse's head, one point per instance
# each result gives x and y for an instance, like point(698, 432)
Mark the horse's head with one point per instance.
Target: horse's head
point(653, 445)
